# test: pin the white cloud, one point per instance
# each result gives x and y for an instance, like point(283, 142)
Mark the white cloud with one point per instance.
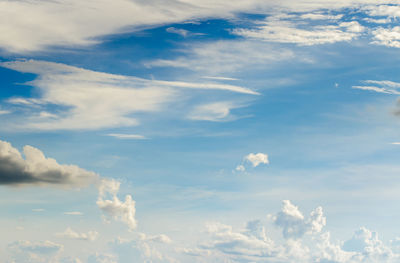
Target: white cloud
point(45, 247)
point(276, 29)
point(157, 238)
point(257, 159)
point(71, 234)
point(240, 168)
point(293, 223)
point(387, 36)
point(216, 111)
point(127, 136)
point(115, 208)
point(76, 23)
point(73, 213)
point(92, 100)
point(226, 56)
point(36, 169)
point(385, 86)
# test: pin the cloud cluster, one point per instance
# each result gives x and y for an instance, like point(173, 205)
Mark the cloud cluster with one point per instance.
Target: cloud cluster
point(304, 242)
point(85, 99)
point(114, 207)
point(36, 169)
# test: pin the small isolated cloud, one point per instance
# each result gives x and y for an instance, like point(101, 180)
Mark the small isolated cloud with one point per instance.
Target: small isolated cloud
point(257, 159)
point(127, 136)
point(217, 111)
point(3, 112)
point(38, 210)
point(240, 168)
point(73, 213)
point(114, 207)
point(36, 169)
point(71, 234)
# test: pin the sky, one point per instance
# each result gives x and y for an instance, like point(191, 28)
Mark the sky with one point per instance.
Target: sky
point(199, 131)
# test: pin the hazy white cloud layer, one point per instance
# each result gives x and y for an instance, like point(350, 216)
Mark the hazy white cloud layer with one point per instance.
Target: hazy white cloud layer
point(85, 99)
point(36, 169)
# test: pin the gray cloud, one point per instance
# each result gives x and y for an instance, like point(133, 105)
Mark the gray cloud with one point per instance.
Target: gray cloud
point(36, 169)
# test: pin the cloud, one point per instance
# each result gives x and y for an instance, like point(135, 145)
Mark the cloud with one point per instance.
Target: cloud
point(257, 159)
point(225, 56)
point(368, 244)
point(304, 242)
point(115, 208)
point(216, 111)
point(73, 213)
point(69, 233)
point(85, 99)
point(75, 23)
point(387, 36)
point(382, 86)
point(127, 136)
point(36, 169)
point(293, 223)
point(157, 238)
point(278, 29)
point(46, 247)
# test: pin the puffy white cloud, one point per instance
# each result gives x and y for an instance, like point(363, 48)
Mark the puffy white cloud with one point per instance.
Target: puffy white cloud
point(115, 208)
point(387, 36)
point(257, 159)
point(36, 169)
point(71, 234)
point(86, 99)
point(295, 225)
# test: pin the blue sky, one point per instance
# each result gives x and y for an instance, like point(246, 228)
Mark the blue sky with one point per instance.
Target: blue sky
point(199, 131)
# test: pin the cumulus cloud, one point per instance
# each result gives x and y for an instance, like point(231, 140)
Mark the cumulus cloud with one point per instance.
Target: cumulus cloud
point(36, 169)
point(69, 233)
point(304, 242)
point(114, 207)
point(387, 36)
point(85, 99)
point(295, 225)
point(257, 159)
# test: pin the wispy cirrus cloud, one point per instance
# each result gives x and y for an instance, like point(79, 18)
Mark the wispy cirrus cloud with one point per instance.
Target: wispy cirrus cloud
point(75, 98)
